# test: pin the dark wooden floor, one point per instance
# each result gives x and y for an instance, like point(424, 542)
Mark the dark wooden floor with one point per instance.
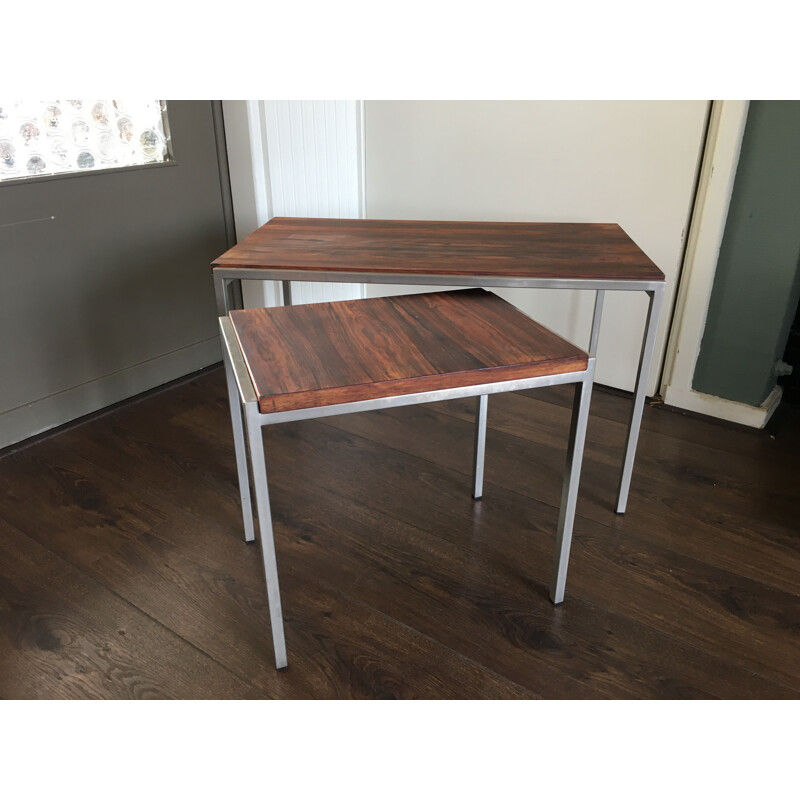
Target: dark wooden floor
point(124, 574)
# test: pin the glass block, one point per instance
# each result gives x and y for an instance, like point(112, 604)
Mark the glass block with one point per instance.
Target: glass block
point(125, 129)
point(36, 165)
point(49, 137)
point(85, 160)
point(107, 146)
point(51, 117)
point(150, 143)
point(29, 133)
point(59, 151)
point(80, 131)
point(8, 155)
point(100, 115)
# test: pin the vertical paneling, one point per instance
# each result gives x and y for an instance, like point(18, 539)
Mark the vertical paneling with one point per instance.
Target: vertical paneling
point(314, 157)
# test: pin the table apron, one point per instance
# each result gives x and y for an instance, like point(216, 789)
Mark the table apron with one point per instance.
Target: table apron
point(327, 276)
point(456, 392)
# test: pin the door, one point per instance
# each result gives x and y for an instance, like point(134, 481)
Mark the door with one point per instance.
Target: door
point(106, 280)
point(634, 163)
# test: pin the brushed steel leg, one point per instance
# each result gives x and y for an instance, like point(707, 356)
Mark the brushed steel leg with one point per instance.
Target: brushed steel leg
point(221, 294)
point(240, 448)
point(482, 405)
point(600, 296)
point(228, 293)
point(266, 536)
point(236, 299)
point(572, 474)
point(645, 360)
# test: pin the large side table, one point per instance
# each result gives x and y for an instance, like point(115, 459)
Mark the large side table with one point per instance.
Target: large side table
point(595, 256)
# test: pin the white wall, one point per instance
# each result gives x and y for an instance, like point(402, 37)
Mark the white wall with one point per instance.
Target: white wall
point(634, 163)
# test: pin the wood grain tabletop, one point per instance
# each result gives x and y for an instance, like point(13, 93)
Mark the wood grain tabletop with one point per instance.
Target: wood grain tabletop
point(327, 353)
point(532, 250)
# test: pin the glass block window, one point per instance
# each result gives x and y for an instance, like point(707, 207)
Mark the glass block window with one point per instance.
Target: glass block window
point(49, 137)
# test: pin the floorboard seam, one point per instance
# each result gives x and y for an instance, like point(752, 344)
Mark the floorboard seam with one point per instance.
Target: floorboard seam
point(528, 498)
point(176, 510)
point(692, 645)
point(461, 656)
point(617, 614)
point(137, 609)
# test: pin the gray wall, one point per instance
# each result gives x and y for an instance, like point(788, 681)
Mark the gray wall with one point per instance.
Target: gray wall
point(114, 296)
point(757, 283)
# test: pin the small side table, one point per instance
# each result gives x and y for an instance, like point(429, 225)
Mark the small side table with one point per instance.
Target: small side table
point(301, 362)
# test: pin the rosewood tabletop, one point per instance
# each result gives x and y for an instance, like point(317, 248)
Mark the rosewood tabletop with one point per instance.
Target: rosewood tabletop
point(473, 250)
point(537, 255)
point(330, 353)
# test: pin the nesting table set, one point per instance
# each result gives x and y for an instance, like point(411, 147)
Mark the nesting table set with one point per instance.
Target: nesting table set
point(300, 362)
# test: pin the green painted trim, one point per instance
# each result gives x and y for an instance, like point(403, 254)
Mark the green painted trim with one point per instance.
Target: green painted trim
point(756, 284)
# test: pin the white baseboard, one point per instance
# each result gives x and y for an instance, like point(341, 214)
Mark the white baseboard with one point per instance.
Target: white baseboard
point(50, 412)
point(730, 410)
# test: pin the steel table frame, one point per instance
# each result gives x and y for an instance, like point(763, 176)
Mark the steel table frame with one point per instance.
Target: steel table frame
point(244, 403)
point(227, 286)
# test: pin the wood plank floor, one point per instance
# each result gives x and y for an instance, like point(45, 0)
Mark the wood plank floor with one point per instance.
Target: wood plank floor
point(124, 573)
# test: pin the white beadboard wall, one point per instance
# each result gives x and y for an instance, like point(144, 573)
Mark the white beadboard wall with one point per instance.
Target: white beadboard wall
point(314, 150)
